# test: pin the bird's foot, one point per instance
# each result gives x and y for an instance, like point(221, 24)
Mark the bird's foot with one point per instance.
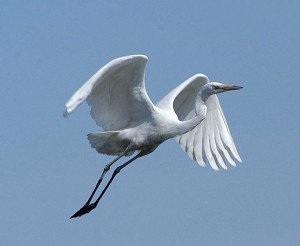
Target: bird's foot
point(84, 210)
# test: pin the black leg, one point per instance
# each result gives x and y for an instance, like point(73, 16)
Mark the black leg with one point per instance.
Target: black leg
point(87, 206)
point(117, 170)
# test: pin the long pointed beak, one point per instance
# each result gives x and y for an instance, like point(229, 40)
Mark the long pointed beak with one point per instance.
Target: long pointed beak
point(231, 87)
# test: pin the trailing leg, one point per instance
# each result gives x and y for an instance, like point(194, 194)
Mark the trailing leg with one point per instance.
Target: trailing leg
point(87, 206)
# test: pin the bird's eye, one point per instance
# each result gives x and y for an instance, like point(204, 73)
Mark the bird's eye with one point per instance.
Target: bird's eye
point(215, 87)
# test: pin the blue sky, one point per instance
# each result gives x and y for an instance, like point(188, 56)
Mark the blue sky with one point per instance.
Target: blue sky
point(49, 48)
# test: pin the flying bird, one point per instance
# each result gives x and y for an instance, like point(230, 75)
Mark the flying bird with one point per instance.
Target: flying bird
point(190, 113)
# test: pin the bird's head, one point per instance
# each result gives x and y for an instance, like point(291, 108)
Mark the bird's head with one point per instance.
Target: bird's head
point(215, 87)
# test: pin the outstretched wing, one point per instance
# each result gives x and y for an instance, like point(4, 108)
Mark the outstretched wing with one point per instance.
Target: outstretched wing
point(211, 140)
point(116, 94)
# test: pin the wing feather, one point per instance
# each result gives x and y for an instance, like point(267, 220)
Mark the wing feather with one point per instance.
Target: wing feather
point(198, 147)
point(190, 145)
point(211, 140)
point(116, 94)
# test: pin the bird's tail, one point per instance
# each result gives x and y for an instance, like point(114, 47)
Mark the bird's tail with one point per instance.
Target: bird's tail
point(107, 142)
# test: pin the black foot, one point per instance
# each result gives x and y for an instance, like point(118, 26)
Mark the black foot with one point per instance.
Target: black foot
point(84, 210)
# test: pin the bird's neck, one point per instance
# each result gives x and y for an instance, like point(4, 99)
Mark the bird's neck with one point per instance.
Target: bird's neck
point(200, 104)
point(203, 96)
point(200, 110)
point(189, 125)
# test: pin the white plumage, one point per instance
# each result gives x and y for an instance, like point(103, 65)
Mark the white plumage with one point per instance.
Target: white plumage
point(118, 100)
point(191, 113)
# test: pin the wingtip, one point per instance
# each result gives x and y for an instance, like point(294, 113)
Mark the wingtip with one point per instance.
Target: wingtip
point(215, 168)
point(237, 156)
point(66, 113)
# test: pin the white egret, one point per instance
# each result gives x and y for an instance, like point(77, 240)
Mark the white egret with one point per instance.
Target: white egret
point(190, 113)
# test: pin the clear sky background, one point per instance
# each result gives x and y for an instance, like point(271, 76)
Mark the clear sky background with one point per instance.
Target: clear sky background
point(50, 48)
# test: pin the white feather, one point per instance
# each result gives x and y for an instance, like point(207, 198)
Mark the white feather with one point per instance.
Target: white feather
point(211, 140)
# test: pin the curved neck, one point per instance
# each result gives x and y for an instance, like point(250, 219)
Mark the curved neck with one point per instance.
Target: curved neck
point(189, 125)
point(200, 104)
point(203, 95)
point(200, 110)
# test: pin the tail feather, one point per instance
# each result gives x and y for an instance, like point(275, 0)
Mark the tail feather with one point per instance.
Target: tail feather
point(107, 143)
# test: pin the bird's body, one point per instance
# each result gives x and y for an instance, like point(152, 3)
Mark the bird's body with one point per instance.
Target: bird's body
point(190, 113)
point(144, 136)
